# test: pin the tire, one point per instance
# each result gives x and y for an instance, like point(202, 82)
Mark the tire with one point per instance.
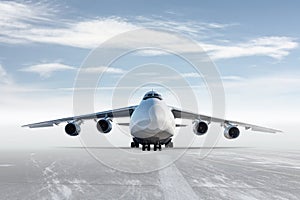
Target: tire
point(132, 144)
point(159, 147)
point(137, 145)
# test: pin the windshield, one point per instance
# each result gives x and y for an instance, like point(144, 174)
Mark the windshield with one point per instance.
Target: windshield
point(152, 94)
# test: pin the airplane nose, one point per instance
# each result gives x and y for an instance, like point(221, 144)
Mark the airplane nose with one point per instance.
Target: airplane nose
point(153, 121)
point(157, 118)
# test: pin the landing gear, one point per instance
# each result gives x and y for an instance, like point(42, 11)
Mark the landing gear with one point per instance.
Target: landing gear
point(134, 145)
point(146, 146)
point(148, 142)
point(157, 146)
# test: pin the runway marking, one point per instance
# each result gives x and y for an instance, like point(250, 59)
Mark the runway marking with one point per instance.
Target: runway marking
point(174, 185)
point(6, 165)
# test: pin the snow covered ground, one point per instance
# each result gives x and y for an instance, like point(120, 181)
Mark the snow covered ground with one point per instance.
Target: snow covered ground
point(226, 173)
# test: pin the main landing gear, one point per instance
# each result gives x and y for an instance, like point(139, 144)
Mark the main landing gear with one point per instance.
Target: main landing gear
point(134, 145)
point(157, 146)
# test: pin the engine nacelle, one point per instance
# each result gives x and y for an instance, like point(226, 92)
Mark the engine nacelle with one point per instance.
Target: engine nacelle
point(231, 132)
point(104, 125)
point(72, 129)
point(200, 127)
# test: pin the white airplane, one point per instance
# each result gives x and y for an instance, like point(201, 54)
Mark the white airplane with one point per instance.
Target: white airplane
point(151, 122)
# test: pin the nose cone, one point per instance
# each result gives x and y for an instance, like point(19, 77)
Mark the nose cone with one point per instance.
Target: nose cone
point(150, 119)
point(154, 120)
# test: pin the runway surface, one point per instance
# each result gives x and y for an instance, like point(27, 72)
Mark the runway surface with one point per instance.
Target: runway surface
point(226, 173)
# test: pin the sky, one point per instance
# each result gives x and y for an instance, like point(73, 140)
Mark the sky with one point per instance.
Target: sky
point(253, 44)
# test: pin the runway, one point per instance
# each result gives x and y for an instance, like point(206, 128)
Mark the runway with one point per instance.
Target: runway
point(226, 173)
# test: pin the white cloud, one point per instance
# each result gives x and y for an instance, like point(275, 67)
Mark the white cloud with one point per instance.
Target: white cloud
point(232, 78)
point(5, 78)
point(190, 27)
point(191, 75)
point(45, 70)
point(111, 70)
point(275, 47)
point(84, 34)
point(27, 23)
point(275, 87)
point(149, 52)
point(224, 78)
point(18, 15)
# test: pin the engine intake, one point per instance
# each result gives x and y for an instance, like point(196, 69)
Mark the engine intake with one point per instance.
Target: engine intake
point(231, 132)
point(72, 129)
point(200, 127)
point(104, 125)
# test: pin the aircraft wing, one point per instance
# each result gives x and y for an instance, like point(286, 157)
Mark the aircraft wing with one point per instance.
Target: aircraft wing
point(121, 112)
point(190, 115)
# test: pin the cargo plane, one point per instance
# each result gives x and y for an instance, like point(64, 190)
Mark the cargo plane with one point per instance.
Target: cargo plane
point(152, 122)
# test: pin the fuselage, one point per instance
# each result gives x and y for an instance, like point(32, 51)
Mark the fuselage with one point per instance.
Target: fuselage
point(152, 121)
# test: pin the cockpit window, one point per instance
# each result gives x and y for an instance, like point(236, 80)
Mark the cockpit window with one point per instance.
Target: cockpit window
point(152, 94)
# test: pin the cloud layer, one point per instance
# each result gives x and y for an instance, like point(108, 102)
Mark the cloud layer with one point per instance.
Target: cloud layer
point(27, 23)
point(5, 78)
point(45, 70)
point(33, 23)
point(273, 46)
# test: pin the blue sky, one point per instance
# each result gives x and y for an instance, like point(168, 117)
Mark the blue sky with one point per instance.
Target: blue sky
point(217, 24)
point(254, 44)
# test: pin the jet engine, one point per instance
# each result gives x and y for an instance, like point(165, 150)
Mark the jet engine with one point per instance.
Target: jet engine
point(231, 132)
point(104, 125)
point(72, 129)
point(200, 127)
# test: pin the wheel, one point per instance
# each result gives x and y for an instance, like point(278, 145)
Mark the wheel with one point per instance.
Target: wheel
point(148, 147)
point(159, 147)
point(137, 145)
point(155, 147)
point(132, 144)
point(143, 147)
